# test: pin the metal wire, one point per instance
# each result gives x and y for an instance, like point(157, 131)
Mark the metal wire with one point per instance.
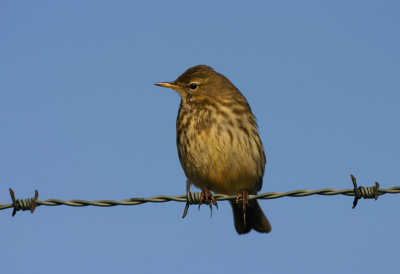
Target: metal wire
point(183, 198)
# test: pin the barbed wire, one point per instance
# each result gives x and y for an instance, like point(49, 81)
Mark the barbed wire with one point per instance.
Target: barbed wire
point(194, 198)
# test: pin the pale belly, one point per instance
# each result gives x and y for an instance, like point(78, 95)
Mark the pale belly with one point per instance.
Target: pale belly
point(222, 163)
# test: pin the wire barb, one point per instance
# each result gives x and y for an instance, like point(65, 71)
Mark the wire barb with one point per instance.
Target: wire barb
point(364, 192)
point(193, 198)
point(198, 198)
point(23, 204)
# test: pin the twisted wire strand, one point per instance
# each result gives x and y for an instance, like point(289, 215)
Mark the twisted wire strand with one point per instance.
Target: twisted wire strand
point(218, 197)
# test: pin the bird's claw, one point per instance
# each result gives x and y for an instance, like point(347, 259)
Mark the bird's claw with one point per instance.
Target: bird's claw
point(244, 195)
point(207, 198)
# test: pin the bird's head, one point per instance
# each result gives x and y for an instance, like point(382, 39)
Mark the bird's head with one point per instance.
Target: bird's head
point(201, 81)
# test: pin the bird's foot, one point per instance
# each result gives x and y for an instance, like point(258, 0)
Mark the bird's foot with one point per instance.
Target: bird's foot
point(244, 195)
point(207, 198)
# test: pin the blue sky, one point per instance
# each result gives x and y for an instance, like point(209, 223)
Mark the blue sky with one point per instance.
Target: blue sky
point(80, 118)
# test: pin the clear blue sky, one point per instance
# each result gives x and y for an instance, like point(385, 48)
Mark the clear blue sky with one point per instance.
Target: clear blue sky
point(80, 118)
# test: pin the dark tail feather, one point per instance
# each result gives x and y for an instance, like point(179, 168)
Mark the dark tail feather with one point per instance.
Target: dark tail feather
point(255, 218)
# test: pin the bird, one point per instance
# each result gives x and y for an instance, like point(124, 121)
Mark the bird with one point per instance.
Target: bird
point(218, 143)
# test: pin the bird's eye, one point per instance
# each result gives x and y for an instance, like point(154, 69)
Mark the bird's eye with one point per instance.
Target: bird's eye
point(193, 86)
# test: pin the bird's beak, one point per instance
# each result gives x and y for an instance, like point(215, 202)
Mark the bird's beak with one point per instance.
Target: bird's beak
point(167, 85)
